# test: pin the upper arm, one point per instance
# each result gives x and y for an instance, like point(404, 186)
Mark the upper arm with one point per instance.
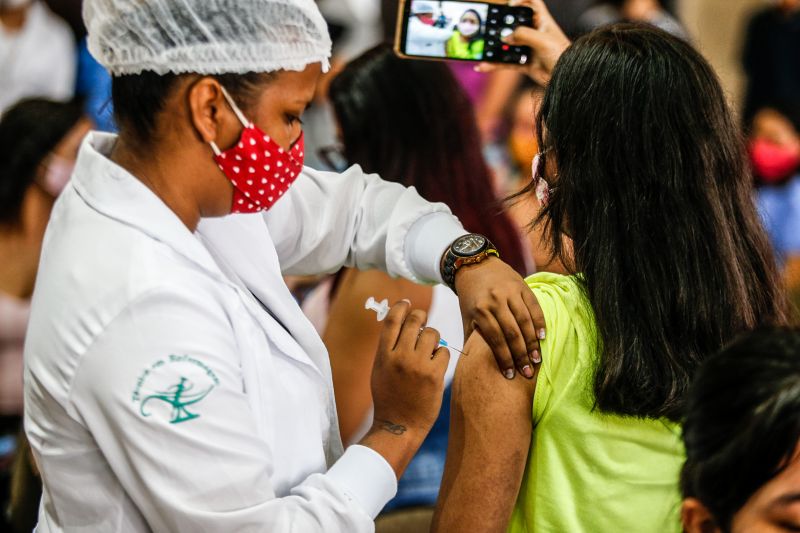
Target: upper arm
point(490, 435)
point(328, 220)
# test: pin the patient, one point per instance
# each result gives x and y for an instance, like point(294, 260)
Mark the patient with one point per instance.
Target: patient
point(642, 166)
point(467, 40)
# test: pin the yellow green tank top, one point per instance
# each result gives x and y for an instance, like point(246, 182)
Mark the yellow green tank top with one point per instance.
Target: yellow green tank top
point(458, 49)
point(588, 471)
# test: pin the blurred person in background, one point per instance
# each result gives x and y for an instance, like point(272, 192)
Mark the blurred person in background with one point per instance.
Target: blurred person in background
point(520, 115)
point(742, 438)
point(774, 148)
point(467, 40)
point(771, 57)
point(650, 11)
point(669, 263)
point(37, 53)
point(522, 147)
point(433, 145)
point(40, 140)
point(514, 143)
point(92, 81)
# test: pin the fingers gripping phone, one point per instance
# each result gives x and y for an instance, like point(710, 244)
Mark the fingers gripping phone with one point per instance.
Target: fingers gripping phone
point(461, 31)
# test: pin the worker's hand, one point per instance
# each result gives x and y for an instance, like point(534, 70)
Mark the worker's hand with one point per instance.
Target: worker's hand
point(408, 374)
point(546, 39)
point(496, 301)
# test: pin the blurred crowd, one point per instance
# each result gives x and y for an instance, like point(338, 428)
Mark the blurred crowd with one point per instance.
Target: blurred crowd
point(461, 137)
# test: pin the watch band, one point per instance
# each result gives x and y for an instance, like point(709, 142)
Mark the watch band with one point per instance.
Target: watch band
point(452, 262)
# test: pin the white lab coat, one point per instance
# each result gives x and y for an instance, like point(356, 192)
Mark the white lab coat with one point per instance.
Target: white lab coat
point(425, 40)
point(161, 395)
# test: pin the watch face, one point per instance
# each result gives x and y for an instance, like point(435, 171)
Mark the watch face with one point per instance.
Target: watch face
point(469, 245)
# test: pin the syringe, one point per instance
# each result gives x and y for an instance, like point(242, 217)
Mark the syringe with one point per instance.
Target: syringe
point(382, 309)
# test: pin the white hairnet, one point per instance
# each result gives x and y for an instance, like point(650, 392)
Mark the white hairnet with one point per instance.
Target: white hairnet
point(422, 7)
point(206, 36)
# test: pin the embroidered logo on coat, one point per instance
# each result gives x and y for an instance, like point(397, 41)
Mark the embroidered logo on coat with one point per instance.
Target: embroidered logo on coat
point(168, 387)
point(178, 396)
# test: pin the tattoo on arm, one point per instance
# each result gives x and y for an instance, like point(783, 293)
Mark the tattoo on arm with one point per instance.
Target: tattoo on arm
point(391, 427)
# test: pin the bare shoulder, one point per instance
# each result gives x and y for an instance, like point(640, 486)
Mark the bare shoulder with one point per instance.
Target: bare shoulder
point(480, 387)
point(490, 435)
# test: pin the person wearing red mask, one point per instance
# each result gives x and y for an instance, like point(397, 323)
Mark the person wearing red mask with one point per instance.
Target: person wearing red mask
point(775, 148)
point(775, 155)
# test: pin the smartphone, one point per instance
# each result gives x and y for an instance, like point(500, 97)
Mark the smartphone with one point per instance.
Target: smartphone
point(460, 31)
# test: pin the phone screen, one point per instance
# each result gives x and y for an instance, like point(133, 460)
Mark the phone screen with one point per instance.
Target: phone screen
point(465, 31)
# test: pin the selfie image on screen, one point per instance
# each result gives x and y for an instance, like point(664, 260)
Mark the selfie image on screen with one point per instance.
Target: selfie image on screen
point(453, 30)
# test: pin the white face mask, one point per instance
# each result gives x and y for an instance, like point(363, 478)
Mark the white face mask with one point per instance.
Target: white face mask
point(468, 29)
point(57, 175)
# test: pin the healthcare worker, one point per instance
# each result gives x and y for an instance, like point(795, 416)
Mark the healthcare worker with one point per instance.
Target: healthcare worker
point(423, 38)
point(171, 381)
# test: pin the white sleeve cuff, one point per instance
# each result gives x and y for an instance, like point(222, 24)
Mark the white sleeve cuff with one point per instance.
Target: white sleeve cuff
point(427, 241)
point(365, 477)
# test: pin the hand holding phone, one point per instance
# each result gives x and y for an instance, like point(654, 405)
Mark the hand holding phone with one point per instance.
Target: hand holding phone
point(546, 40)
point(461, 31)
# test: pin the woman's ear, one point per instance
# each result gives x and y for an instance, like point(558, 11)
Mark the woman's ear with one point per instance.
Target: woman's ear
point(206, 102)
point(696, 517)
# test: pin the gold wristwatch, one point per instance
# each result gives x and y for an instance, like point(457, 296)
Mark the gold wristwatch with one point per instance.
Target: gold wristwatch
point(468, 249)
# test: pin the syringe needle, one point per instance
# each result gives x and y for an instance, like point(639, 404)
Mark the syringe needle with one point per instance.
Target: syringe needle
point(445, 344)
point(456, 349)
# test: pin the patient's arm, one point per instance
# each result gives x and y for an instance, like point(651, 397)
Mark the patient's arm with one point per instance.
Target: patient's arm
point(490, 434)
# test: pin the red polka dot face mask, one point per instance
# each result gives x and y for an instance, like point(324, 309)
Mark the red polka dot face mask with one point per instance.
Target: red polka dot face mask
point(257, 167)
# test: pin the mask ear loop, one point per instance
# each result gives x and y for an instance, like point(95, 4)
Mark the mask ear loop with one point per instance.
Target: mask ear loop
point(236, 111)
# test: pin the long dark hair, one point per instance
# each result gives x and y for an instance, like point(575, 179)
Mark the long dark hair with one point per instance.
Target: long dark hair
point(411, 122)
point(654, 190)
point(29, 131)
point(743, 421)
